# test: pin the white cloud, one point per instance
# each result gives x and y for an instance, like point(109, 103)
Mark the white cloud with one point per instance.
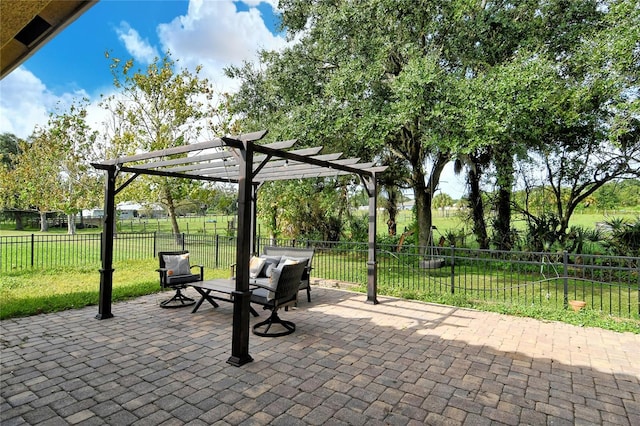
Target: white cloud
point(255, 3)
point(140, 49)
point(26, 103)
point(215, 35)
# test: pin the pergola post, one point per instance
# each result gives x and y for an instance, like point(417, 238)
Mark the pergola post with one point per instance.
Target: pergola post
point(372, 266)
point(108, 223)
point(242, 295)
point(254, 218)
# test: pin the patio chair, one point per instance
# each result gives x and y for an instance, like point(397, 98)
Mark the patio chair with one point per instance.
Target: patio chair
point(281, 292)
point(175, 273)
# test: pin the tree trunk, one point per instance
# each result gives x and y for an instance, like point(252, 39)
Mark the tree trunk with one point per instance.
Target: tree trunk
point(172, 217)
point(423, 194)
point(423, 198)
point(19, 223)
point(71, 224)
point(391, 205)
point(44, 226)
point(502, 224)
point(273, 220)
point(477, 206)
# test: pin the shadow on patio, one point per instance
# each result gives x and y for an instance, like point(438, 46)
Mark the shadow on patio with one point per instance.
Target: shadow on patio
point(399, 362)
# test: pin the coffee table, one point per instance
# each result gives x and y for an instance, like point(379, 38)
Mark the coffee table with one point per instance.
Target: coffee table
point(219, 289)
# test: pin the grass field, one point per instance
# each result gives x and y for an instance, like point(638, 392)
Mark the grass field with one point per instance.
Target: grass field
point(31, 292)
point(224, 224)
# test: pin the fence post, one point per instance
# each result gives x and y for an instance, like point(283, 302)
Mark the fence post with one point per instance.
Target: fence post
point(453, 269)
point(565, 279)
point(32, 248)
point(638, 275)
point(155, 243)
point(217, 250)
point(183, 238)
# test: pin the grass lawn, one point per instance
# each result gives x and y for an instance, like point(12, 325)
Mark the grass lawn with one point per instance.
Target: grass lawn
point(32, 292)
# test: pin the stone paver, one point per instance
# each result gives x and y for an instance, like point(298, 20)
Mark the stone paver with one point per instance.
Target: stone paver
point(349, 362)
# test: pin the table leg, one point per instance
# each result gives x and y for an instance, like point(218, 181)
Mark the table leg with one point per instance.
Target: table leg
point(205, 296)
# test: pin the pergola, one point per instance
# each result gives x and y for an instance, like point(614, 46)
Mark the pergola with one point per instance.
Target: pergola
point(240, 160)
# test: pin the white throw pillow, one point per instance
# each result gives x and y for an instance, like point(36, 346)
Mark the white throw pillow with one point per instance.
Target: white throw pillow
point(275, 274)
point(255, 266)
point(177, 264)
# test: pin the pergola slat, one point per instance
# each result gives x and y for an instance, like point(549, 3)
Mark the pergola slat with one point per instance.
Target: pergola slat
point(303, 174)
point(230, 165)
point(278, 165)
point(184, 160)
point(295, 170)
point(216, 143)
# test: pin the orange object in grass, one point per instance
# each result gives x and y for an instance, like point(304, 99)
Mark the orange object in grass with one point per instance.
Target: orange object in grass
point(577, 304)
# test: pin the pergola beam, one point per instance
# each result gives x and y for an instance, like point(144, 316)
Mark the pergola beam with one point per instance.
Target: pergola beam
point(279, 167)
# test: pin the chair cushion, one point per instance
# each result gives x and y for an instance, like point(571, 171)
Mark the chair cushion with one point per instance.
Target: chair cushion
point(177, 264)
point(270, 263)
point(182, 279)
point(255, 266)
point(275, 274)
point(261, 296)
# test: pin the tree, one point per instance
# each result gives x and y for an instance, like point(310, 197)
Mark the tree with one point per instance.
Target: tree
point(430, 82)
point(80, 182)
point(353, 84)
point(592, 136)
point(391, 190)
point(311, 208)
point(158, 108)
point(52, 169)
point(9, 150)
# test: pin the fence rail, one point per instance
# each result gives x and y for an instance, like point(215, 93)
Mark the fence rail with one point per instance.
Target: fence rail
point(607, 283)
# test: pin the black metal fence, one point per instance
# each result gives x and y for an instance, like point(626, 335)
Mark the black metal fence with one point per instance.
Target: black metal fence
point(607, 283)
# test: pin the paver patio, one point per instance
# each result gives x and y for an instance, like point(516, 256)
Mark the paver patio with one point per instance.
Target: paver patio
point(399, 362)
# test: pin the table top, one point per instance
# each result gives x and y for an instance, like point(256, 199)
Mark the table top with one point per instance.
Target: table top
point(221, 285)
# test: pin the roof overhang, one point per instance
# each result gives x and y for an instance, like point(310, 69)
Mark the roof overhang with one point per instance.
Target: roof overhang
point(25, 26)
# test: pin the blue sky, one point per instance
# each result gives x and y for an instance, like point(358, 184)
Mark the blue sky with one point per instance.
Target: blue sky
point(211, 33)
point(75, 58)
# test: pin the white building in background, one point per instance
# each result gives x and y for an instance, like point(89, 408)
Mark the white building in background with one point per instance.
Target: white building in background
point(93, 213)
point(129, 210)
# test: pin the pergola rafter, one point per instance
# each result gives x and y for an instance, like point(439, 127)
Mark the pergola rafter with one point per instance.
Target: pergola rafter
point(239, 160)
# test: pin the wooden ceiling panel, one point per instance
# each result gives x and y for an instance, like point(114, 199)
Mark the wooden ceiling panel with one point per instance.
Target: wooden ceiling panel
point(26, 25)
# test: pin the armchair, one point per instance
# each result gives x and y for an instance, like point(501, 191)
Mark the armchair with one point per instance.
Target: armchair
point(175, 273)
point(281, 291)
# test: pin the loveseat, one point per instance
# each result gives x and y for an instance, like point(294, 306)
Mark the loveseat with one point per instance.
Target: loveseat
point(261, 267)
